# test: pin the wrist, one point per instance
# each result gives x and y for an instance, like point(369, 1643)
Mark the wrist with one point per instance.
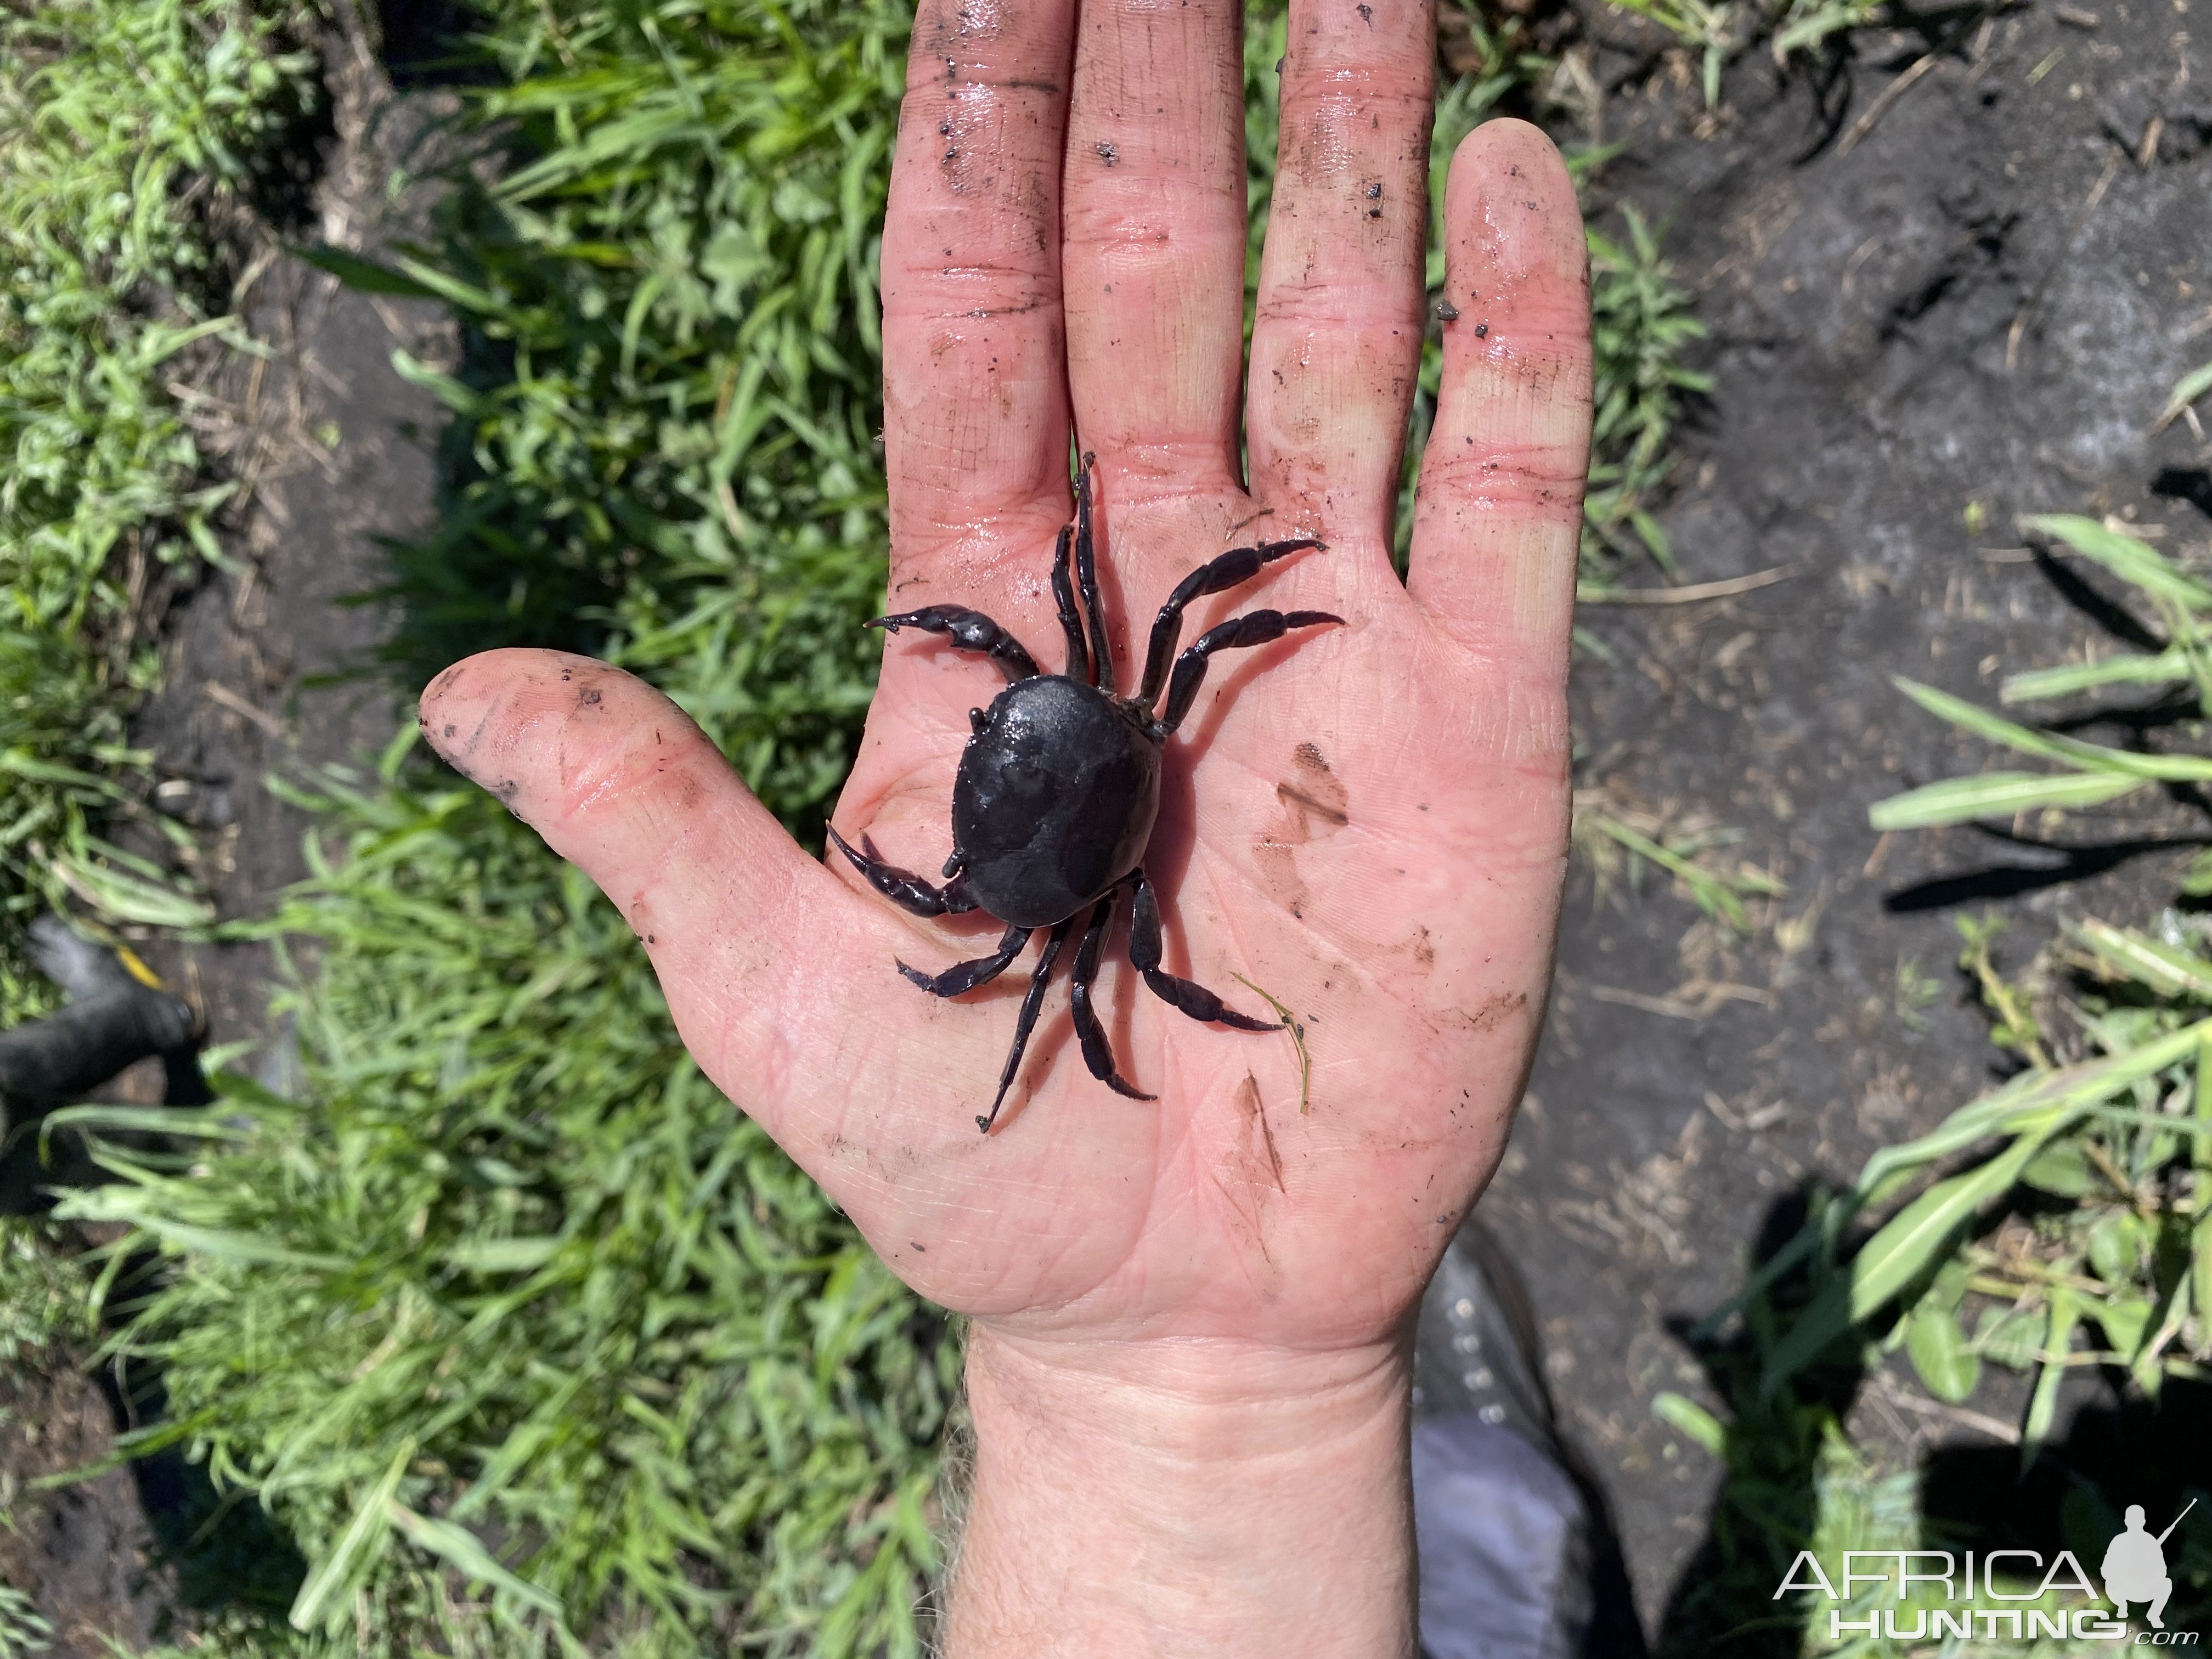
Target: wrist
point(1169, 1498)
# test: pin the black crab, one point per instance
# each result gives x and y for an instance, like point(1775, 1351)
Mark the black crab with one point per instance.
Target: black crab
point(1057, 787)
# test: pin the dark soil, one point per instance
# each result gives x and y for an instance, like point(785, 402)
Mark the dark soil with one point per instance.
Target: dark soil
point(1985, 301)
point(271, 671)
point(82, 1552)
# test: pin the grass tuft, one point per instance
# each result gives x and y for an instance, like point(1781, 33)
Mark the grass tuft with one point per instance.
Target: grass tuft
point(526, 1337)
point(119, 125)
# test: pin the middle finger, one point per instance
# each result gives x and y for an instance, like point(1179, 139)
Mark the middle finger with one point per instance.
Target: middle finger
point(1153, 260)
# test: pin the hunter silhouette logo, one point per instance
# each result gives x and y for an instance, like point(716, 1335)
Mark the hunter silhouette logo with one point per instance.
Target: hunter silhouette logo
point(2134, 1566)
point(1945, 1596)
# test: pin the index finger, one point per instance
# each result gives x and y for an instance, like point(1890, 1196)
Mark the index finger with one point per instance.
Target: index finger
point(975, 421)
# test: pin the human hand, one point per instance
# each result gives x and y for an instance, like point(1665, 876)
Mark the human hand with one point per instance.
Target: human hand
point(1369, 821)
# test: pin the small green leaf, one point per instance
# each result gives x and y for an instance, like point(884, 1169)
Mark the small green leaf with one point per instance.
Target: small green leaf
point(2008, 1339)
point(2061, 1169)
point(1687, 1416)
point(2116, 1247)
point(2124, 1319)
point(1947, 1368)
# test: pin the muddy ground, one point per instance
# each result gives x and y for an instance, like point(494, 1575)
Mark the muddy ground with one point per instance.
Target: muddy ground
point(1974, 312)
point(1983, 298)
point(261, 675)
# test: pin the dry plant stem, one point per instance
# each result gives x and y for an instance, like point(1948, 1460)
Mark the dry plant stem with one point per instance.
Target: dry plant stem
point(1212, 1499)
point(1727, 588)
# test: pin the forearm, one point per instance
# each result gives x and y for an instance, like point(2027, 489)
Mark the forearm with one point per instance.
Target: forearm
point(1185, 1499)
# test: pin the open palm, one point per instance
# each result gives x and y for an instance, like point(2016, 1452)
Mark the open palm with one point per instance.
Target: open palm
point(1368, 824)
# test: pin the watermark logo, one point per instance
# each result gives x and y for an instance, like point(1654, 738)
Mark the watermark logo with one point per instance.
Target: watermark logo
point(2133, 1572)
point(2135, 1567)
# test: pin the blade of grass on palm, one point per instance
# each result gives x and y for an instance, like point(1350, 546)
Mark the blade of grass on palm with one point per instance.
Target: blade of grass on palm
point(1996, 795)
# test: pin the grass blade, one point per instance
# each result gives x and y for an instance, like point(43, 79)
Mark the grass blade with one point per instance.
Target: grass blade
point(2186, 391)
point(1996, 795)
point(323, 1597)
point(467, 1555)
point(1908, 1244)
point(2095, 757)
point(2168, 970)
point(2130, 560)
point(2129, 668)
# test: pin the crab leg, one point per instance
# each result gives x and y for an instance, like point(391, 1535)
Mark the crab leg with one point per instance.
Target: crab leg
point(1253, 628)
point(962, 976)
point(1144, 954)
point(968, 630)
point(1071, 620)
point(1023, 1025)
point(902, 887)
point(1216, 575)
point(1097, 1053)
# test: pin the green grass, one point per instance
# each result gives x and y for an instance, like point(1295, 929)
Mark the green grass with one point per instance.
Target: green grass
point(22, 1630)
point(119, 127)
point(2060, 1220)
point(666, 422)
point(46, 1293)
point(1716, 30)
point(1620, 844)
point(122, 129)
point(2113, 1114)
point(491, 1281)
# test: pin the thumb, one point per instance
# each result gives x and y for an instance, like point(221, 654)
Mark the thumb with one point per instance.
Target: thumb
point(749, 937)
